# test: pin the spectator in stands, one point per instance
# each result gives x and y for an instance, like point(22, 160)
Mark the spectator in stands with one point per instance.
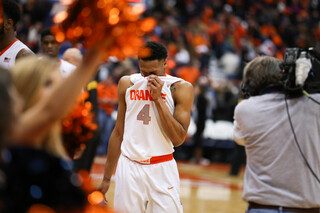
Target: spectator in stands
point(201, 107)
point(108, 100)
point(51, 47)
point(189, 72)
point(238, 159)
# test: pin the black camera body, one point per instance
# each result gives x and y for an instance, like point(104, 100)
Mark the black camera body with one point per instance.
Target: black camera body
point(312, 83)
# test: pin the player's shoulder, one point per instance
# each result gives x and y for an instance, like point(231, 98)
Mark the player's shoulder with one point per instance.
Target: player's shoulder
point(182, 85)
point(24, 52)
point(20, 45)
point(169, 79)
point(182, 91)
point(125, 79)
point(124, 82)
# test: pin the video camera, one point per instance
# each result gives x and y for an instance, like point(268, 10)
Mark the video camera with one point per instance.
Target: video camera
point(312, 83)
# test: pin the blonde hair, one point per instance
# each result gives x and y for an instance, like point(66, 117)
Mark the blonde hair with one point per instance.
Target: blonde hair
point(30, 75)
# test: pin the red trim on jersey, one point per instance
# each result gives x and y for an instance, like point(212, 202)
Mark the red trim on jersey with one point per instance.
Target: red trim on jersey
point(155, 159)
point(161, 158)
point(3, 51)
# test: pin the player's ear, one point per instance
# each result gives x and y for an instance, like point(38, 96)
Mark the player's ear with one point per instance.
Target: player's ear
point(165, 63)
point(8, 23)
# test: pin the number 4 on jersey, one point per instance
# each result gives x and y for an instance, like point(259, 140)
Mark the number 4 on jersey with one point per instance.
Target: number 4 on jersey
point(144, 114)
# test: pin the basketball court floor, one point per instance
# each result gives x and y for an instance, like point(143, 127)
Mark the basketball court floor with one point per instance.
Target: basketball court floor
point(204, 189)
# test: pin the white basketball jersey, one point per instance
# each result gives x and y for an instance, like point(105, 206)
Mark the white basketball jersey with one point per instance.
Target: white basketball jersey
point(8, 55)
point(143, 136)
point(66, 68)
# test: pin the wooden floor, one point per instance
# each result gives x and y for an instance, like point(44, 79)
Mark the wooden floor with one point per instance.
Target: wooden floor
point(203, 188)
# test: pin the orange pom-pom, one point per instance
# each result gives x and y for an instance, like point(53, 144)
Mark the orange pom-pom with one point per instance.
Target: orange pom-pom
point(89, 21)
point(78, 126)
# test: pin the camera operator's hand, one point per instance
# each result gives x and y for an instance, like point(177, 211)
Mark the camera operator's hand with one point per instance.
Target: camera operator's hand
point(303, 66)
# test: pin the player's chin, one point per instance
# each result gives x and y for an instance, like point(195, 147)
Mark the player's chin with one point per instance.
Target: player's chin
point(50, 53)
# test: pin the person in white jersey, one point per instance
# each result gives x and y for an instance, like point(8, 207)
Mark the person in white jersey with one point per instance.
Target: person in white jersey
point(51, 47)
point(277, 179)
point(11, 48)
point(153, 117)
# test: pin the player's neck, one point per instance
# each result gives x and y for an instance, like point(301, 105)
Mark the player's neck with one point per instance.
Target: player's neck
point(6, 40)
point(54, 58)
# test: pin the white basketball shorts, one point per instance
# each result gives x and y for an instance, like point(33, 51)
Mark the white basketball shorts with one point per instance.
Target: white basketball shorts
point(151, 188)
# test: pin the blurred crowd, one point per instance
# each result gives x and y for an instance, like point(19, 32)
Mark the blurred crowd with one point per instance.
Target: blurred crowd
point(209, 42)
point(199, 31)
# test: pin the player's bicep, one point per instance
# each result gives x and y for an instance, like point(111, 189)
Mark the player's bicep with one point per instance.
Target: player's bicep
point(183, 97)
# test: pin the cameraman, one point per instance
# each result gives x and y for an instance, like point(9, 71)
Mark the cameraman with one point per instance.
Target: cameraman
point(277, 178)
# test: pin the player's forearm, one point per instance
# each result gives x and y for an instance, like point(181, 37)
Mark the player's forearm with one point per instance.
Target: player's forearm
point(114, 151)
point(173, 129)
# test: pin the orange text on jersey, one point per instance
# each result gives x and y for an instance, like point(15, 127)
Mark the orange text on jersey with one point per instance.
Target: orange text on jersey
point(144, 95)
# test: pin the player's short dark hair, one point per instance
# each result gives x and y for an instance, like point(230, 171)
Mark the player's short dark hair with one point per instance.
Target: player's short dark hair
point(11, 10)
point(45, 32)
point(156, 51)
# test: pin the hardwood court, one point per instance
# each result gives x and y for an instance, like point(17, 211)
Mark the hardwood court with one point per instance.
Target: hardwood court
point(204, 189)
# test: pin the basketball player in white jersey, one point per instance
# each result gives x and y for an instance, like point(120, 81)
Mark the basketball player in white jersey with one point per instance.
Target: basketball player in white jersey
point(11, 48)
point(153, 117)
point(51, 47)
